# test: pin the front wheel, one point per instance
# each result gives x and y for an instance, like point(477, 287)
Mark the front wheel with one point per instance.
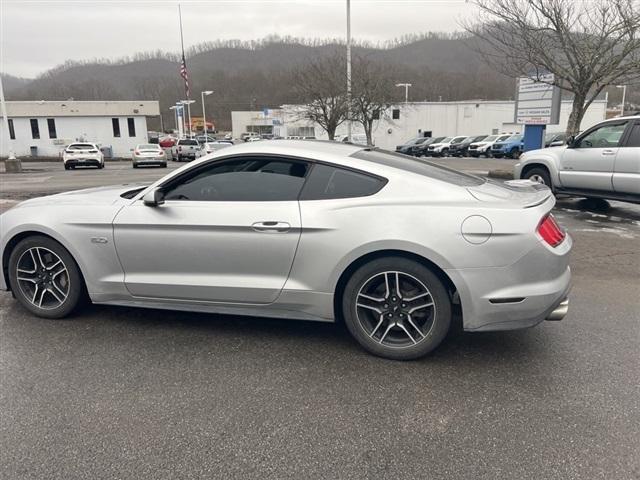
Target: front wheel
point(44, 277)
point(538, 175)
point(396, 308)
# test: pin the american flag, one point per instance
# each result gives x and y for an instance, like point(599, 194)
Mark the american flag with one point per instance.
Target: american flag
point(185, 75)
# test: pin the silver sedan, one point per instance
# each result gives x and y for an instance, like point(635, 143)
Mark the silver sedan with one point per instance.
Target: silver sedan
point(392, 245)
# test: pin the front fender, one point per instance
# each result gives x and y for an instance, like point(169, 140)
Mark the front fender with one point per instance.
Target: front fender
point(547, 161)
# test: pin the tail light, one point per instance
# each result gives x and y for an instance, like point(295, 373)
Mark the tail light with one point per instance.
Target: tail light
point(550, 231)
point(136, 152)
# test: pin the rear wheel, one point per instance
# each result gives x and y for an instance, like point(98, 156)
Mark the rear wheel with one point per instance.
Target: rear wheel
point(396, 308)
point(538, 175)
point(44, 277)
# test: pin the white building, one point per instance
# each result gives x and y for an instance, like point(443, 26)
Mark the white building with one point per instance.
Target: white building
point(50, 125)
point(405, 121)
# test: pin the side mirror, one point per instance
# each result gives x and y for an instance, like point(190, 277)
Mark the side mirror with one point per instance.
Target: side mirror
point(153, 197)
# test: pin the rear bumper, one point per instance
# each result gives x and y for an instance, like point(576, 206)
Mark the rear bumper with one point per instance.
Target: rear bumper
point(150, 161)
point(533, 289)
point(85, 162)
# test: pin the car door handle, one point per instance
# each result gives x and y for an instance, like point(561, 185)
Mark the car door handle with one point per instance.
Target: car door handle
point(271, 227)
point(608, 152)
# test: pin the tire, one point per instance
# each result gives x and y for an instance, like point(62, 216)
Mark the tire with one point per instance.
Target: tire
point(135, 166)
point(62, 293)
point(164, 165)
point(382, 330)
point(540, 175)
point(67, 167)
point(515, 153)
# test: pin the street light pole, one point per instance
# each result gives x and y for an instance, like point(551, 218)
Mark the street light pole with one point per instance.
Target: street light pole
point(175, 114)
point(348, 70)
point(188, 104)
point(624, 96)
point(204, 115)
point(13, 164)
point(406, 90)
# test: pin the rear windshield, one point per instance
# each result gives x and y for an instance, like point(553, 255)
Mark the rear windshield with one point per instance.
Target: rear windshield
point(188, 142)
point(81, 146)
point(148, 147)
point(421, 167)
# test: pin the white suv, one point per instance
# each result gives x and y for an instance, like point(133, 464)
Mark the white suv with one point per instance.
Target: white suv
point(82, 155)
point(602, 162)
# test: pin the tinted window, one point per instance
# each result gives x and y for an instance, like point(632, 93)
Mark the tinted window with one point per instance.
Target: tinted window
point(35, 129)
point(395, 114)
point(115, 123)
point(188, 142)
point(51, 125)
point(245, 180)
point(131, 126)
point(327, 182)
point(603, 137)
point(634, 137)
point(12, 131)
point(416, 165)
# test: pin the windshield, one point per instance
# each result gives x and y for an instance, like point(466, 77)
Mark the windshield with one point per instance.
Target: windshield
point(188, 142)
point(418, 166)
point(458, 139)
point(515, 138)
point(503, 138)
point(479, 138)
point(446, 140)
point(421, 140)
point(490, 138)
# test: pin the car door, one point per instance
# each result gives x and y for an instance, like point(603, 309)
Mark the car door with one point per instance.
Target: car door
point(227, 232)
point(588, 163)
point(626, 172)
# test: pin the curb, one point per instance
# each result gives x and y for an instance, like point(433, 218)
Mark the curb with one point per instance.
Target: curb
point(503, 174)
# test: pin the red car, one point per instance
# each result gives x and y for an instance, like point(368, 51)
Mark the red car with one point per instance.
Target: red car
point(167, 142)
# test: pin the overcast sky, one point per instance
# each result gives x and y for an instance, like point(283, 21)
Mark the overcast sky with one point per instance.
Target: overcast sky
point(39, 34)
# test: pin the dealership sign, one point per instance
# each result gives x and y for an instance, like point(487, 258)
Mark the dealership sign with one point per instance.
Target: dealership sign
point(537, 100)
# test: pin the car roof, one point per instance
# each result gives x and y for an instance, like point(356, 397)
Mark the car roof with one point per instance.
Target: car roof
point(314, 149)
point(626, 117)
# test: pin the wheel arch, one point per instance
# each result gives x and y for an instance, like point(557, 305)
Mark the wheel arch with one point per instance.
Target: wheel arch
point(346, 274)
point(17, 238)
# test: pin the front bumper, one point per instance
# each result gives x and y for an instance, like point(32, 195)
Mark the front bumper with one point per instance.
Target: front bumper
point(521, 295)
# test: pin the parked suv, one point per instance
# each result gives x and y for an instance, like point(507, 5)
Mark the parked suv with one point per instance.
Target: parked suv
point(602, 162)
point(483, 147)
point(510, 147)
point(409, 146)
point(461, 149)
point(186, 148)
point(82, 155)
point(442, 149)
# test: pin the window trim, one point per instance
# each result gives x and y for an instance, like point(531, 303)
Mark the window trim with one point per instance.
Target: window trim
point(239, 156)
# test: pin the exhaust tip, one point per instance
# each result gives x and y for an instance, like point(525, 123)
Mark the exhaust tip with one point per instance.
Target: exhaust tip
point(560, 311)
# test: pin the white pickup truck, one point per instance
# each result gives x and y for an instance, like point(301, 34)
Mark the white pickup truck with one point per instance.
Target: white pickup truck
point(602, 162)
point(186, 149)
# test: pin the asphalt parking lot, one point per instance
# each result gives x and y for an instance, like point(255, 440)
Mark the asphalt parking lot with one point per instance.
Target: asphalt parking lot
point(129, 393)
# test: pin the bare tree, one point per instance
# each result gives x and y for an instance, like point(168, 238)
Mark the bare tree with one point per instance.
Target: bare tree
point(586, 45)
point(372, 92)
point(320, 84)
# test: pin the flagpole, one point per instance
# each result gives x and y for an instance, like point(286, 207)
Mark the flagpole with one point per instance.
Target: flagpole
point(184, 63)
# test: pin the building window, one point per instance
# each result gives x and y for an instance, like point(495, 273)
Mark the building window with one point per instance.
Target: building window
point(35, 129)
point(132, 127)
point(12, 132)
point(115, 123)
point(395, 114)
point(51, 124)
point(301, 132)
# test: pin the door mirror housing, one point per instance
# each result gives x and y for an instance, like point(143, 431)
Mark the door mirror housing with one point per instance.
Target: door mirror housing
point(153, 197)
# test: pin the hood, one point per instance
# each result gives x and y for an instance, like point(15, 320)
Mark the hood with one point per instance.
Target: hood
point(516, 193)
point(553, 151)
point(88, 196)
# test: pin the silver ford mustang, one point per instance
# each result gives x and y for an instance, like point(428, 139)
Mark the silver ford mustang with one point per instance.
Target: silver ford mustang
point(306, 230)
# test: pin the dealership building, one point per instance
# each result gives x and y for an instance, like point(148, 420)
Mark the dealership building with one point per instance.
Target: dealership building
point(43, 128)
point(407, 120)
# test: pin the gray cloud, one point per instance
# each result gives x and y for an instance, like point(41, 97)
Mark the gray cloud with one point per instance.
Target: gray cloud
point(37, 35)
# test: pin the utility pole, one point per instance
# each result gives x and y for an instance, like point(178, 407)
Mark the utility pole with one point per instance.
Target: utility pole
point(348, 70)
